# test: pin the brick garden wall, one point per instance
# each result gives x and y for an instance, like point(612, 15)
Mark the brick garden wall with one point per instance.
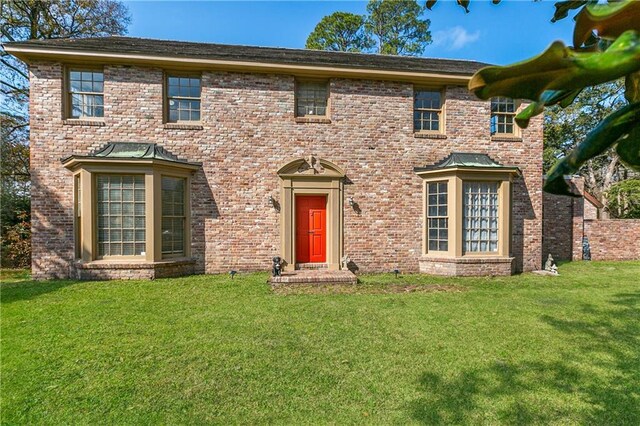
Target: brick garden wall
point(566, 220)
point(248, 132)
point(613, 239)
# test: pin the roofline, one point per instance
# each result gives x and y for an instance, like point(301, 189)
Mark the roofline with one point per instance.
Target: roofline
point(491, 169)
point(74, 160)
point(27, 54)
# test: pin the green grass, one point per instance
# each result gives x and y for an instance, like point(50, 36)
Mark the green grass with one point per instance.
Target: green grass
point(205, 349)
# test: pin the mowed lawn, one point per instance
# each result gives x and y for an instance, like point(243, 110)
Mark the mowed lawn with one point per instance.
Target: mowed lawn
point(206, 349)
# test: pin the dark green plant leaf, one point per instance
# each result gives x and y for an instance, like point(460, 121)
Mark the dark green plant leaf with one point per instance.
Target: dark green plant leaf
point(609, 20)
point(548, 98)
point(563, 8)
point(559, 68)
point(617, 125)
point(464, 4)
point(629, 149)
point(632, 87)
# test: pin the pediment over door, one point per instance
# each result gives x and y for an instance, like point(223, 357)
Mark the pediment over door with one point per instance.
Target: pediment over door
point(309, 167)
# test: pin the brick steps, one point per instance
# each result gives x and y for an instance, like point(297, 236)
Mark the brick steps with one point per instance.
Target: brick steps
point(314, 276)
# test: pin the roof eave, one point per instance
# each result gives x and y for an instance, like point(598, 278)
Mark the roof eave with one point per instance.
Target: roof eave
point(73, 161)
point(422, 171)
point(28, 54)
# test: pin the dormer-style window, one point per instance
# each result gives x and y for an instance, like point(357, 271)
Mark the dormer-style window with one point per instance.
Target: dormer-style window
point(86, 93)
point(427, 111)
point(312, 98)
point(503, 112)
point(183, 98)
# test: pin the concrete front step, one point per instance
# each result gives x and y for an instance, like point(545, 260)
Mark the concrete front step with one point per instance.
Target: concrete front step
point(317, 276)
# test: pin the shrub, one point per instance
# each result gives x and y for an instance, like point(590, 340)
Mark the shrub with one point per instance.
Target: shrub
point(16, 243)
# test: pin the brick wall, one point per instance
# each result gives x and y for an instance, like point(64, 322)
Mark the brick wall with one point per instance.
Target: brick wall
point(249, 131)
point(613, 239)
point(567, 220)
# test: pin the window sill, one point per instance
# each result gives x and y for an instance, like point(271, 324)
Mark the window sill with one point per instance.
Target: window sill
point(317, 120)
point(425, 135)
point(184, 126)
point(471, 259)
point(506, 138)
point(131, 263)
point(81, 122)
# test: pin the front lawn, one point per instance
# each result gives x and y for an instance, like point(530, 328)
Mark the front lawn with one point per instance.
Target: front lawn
point(206, 349)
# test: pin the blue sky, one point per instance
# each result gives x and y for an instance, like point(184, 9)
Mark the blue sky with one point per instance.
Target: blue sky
point(511, 31)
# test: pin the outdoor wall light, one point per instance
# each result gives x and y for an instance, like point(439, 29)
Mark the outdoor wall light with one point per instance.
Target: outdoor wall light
point(272, 201)
point(351, 202)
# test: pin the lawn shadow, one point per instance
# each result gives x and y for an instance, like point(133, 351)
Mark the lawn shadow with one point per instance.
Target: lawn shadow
point(29, 289)
point(608, 339)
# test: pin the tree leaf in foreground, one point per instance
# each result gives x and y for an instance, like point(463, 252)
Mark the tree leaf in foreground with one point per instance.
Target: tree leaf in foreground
point(617, 125)
point(609, 20)
point(559, 68)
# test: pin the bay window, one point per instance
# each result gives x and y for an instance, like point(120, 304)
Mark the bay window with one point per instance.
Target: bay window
point(132, 202)
point(467, 207)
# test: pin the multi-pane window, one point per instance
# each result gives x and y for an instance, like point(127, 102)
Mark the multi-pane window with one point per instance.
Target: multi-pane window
point(427, 111)
point(121, 215)
point(86, 94)
point(311, 98)
point(480, 222)
point(183, 98)
point(437, 217)
point(503, 112)
point(173, 216)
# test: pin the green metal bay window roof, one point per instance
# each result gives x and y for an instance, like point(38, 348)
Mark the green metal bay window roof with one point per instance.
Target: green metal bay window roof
point(131, 151)
point(466, 160)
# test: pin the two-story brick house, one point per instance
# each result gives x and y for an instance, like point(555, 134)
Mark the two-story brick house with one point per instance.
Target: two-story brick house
point(155, 158)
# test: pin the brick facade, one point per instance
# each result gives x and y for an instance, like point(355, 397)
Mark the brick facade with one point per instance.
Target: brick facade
point(248, 131)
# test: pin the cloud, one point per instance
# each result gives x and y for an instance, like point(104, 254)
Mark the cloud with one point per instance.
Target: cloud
point(454, 38)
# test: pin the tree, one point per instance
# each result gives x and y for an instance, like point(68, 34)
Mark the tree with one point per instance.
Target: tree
point(398, 27)
point(26, 20)
point(623, 199)
point(566, 127)
point(606, 47)
point(392, 27)
point(340, 31)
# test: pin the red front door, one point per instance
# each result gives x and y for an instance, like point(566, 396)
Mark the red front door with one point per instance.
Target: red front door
point(311, 229)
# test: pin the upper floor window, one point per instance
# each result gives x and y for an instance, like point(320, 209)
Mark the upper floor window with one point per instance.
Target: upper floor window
point(86, 93)
point(183, 98)
point(503, 112)
point(427, 111)
point(312, 98)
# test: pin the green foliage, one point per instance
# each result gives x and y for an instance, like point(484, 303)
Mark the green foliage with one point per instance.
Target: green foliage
point(623, 199)
point(392, 27)
point(566, 127)
point(606, 47)
point(340, 31)
point(25, 20)
point(15, 244)
point(519, 350)
point(398, 27)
